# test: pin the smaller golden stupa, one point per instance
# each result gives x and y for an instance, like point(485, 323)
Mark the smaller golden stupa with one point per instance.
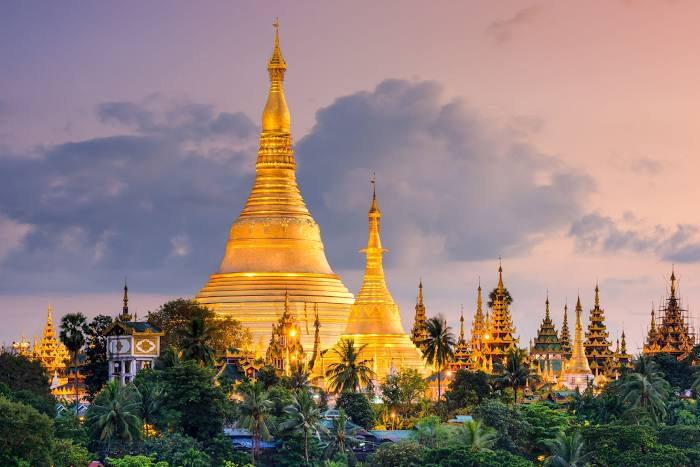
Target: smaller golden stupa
point(375, 320)
point(577, 373)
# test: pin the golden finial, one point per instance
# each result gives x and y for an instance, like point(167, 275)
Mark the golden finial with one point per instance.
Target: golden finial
point(596, 303)
point(546, 303)
point(673, 281)
point(275, 116)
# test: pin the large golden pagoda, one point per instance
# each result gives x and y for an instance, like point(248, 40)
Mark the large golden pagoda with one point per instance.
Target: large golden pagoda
point(275, 245)
point(375, 320)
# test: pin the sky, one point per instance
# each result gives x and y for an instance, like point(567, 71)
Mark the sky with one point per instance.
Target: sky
point(560, 136)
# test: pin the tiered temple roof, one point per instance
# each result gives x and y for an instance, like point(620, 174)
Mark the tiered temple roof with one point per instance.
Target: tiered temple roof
point(419, 334)
point(546, 352)
point(672, 335)
point(476, 341)
point(500, 332)
point(51, 353)
point(600, 357)
point(565, 337)
point(461, 352)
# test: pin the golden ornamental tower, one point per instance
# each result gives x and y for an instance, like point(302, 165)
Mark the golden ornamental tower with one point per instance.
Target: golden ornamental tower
point(375, 320)
point(577, 373)
point(565, 337)
point(275, 245)
point(597, 343)
point(461, 353)
point(51, 353)
point(499, 337)
point(651, 346)
point(546, 353)
point(476, 340)
point(419, 333)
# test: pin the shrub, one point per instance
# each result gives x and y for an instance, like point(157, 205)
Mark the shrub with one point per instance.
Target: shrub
point(402, 454)
point(358, 408)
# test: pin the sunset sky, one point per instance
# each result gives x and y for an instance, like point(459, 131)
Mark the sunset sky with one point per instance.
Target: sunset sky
point(562, 136)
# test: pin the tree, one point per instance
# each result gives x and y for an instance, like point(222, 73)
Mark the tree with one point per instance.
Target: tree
point(340, 439)
point(114, 415)
point(68, 454)
point(468, 389)
point(350, 373)
point(508, 421)
point(73, 337)
point(195, 339)
point(492, 297)
point(298, 378)
point(476, 436)
point(304, 416)
point(254, 411)
point(430, 433)
point(20, 373)
point(401, 454)
point(149, 395)
point(195, 403)
point(177, 449)
point(567, 451)
point(357, 407)
point(95, 366)
point(646, 390)
point(544, 422)
point(438, 346)
point(267, 375)
point(403, 391)
point(25, 435)
point(460, 456)
point(515, 372)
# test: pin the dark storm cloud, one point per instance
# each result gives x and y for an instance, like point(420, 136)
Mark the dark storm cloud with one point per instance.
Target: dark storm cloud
point(154, 203)
point(502, 30)
point(602, 234)
point(451, 184)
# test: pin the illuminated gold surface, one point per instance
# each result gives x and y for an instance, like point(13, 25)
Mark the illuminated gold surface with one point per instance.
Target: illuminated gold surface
point(375, 319)
point(275, 245)
point(578, 364)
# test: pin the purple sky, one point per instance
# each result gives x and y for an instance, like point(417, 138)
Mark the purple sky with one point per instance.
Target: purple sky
point(561, 136)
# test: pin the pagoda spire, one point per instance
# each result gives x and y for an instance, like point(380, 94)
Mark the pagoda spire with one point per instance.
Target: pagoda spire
point(565, 335)
point(316, 355)
point(500, 274)
point(597, 343)
point(125, 315)
point(419, 333)
point(461, 325)
point(578, 363)
point(547, 352)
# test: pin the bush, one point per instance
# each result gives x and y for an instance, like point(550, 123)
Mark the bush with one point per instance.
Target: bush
point(402, 454)
point(25, 434)
point(511, 427)
point(68, 454)
point(613, 443)
point(358, 408)
point(680, 436)
point(135, 461)
point(464, 457)
point(177, 450)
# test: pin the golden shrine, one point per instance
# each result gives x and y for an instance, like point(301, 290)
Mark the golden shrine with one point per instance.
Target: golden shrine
point(600, 357)
point(577, 374)
point(461, 351)
point(375, 320)
point(476, 340)
point(672, 334)
point(546, 353)
point(565, 337)
point(419, 332)
point(51, 353)
point(498, 338)
point(275, 247)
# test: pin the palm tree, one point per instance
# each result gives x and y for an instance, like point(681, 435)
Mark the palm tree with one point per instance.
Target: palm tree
point(114, 414)
point(646, 389)
point(514, 372)
point(438, 346)
point(476, 436)
point(303, 415)
point(299, 377)
point(254, 412)
point(567, 451)
point(73, 326)
point(506, 297)
point(341, 439)
point(149, 396)
point(195, 341)
point(349, 373)
point(430, 432)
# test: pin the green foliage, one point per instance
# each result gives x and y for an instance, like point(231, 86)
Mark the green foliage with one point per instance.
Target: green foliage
point(194, 402)
point(544, 422)
point(646, 392)
point(25, 434)
point(135, 461)
point(173, 317)
point(680, 436)
point(612, 442)
point(429, 432)
point(171, 447)
point(656, 456)
point(349, 373)
point(68, 454)
point(291, 453)
point(113, 415)
point(149, 395)
point(467, 390)
point(679, 374)
point(514, 372)
point(67, 426)
point(567, 450)
point(95, 365)
point(401, 454)
point(20, 373)
point(403, 392)
point(607, 407)
point(492, 297)
point(220, 450)
point(254, 411)
point(267, 376)
point(511, 427)
point(303, 416)
point(340, 439)
point(475, 436)
point(197, 339)
point(45, 405)
point(458, 456)
point(358, 408)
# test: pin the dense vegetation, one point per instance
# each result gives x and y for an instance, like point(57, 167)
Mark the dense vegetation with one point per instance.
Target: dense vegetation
point(175, 413)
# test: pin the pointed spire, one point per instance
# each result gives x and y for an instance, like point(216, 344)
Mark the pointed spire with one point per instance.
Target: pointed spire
point(275, 117)
point(49, 320)
point(500, 274)
point(125, 300)
point(652, 326)
point(623, 343)
point(461, 325)
point(420, 292)
point(374, 216)
point(546, 308)
point(596, 302)
point(673, 282)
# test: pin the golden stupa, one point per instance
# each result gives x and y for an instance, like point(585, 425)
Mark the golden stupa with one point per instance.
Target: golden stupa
point(275, 246)
point(576, 372)
point(375, 320)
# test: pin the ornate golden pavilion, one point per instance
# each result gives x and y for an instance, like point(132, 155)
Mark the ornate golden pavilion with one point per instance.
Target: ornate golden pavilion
point(275, 246)
point(51, 353)
point(375, 320)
